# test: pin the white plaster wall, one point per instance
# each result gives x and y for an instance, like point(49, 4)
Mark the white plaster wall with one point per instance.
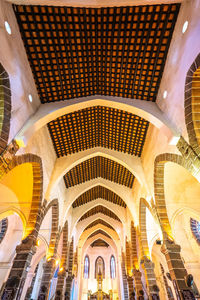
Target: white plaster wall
point(13, 58)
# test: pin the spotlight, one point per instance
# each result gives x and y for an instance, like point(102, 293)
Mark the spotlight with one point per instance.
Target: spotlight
point(165, 94)
point(185, 26)
point(7, 27)
point(30, 98)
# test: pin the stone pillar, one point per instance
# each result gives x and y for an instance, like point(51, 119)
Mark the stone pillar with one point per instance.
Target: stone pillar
point(70, 276)
point(130, 285)
point(48, 272)
point(62, 274)
point(15, 283)
point(167, 287)
point(148, 267)
point(138, 282)
point(176, 268)
point(124, 278)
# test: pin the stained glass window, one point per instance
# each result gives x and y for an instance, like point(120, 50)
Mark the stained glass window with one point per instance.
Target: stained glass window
point(195, 228)
point(112, 267)
point(86, 267)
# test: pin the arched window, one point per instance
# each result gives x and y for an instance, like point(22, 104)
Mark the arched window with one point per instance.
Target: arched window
point(112, 267)
point(195, 228)
point(99, 267)
point(86, 267)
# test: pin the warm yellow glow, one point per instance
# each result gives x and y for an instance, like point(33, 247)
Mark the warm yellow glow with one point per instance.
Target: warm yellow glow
point(49, 258)
point(61, 269)
point(20, 181)
point(57, 262)
point(38, 243)
point(20, 142)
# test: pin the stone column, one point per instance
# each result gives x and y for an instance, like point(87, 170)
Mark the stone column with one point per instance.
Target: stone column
point(130, 285)
point(70, 276)
point(138, 282)
point(48, 272)
point(148, 267)
point(176, 268)
point(15, 283)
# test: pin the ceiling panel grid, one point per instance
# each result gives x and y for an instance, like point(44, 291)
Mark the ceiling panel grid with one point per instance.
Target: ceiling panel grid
point(96, 193)
point(115, 51)
point(99, 166)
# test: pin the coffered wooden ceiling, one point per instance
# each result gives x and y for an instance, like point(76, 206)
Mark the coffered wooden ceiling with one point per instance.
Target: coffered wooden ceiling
point(98, 192)
point(78, 52)
point(99, 231)
point(98, 126)
point(99, 243)
point(99, 166)
point(97, 222)
point(99, 209)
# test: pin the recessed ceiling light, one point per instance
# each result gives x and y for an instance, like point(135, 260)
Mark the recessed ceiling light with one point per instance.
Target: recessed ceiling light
point(165, 94)
point(30, 98)
point(7, 27)
point(185, 26)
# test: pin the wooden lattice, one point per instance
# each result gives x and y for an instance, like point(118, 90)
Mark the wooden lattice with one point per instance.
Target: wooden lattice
point(78, 52)
point(98, 192)
point(98, 126)
point(99, 166)
point(99, 209)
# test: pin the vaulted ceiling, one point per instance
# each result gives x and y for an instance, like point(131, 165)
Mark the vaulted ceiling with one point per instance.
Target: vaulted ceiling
point(96, 193)
point(79, 52)
point(97, 222)
point(99, 209)
point(98, 126)
point(99, 166)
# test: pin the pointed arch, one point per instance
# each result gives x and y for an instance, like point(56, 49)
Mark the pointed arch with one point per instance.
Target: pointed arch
point(192, 102)
point(37, 193)
point(5, 108)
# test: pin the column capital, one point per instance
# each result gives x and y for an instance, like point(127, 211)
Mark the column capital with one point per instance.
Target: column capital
point(27, 245)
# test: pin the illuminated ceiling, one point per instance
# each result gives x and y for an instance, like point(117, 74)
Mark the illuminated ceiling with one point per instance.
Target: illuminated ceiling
point(97, 222)
point(78, 52)
point(99, 209)
point(98, 126)
point(98, 192)
point(96, 167)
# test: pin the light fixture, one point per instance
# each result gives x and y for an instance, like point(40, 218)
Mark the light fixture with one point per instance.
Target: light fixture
point(38, 243)
point(7, 27)
point(185, 26)
point(30, 98)
point(61, 269)
point(165, 94)
point(57, 262)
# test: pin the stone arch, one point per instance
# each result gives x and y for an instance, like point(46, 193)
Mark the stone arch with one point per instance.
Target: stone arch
point(50, 111)
point(99, 209)
point(192, 102)
point(143, 231)
point(90, 240)
point(64, 165)
point(98, 219)
point(159, 191)
point(11, 163)
point(54, 226)
point(5, 108)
